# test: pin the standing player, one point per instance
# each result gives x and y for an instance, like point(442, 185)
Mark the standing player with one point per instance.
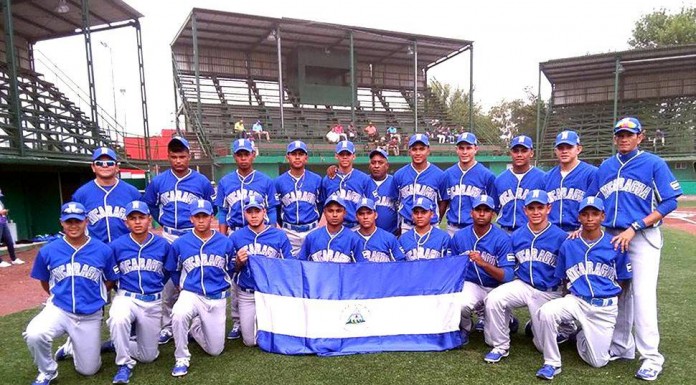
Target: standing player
point(638, 190)
point(140, 256)
point(76, 271)
point(513, 185)
point(299, 192)
point(379, 245)
point(424, 241)
point(464, 182)
point(490, 250)
point(349, 184)
point(419, 178)
point(168, 197)
point(106, 197)
point(569, 182)
point(383, 191)
point(256, 238)
point(535, 246)
point(334, 242)
point(594, 273)
point(200, 262)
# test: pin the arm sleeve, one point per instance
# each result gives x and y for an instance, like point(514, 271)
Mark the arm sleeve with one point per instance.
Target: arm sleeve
point(624, 270)
point(220, 204)
point(593, 187)
point(172, 265)
point(40, 269)
point(666, 185)
point(508, 274)
point(442, 187)
point(397, 251)
point(232, 253)
point(357, 249)
point(454, 245)
point(667, 206)
point(560, 263)
point(111, 272)
point(272, 204)
point(286, 248)
point(303, 254)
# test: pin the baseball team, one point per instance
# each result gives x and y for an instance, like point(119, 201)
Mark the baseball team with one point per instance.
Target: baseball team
point(579, 246)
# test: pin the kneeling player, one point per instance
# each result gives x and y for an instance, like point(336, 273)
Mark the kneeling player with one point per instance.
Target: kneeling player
point(424, 241)
point(140, 256)
point(490, 250)
point(256, 238)
point(591, 267)
point(200, 262)
point(379, 244)
point(334, 242)
point(535, 246)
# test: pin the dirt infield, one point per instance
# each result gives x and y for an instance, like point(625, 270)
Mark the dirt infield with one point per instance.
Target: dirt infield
point(19, 290)
point(683, 219)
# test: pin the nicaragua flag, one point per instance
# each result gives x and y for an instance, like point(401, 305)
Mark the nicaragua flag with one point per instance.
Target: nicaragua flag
point(305, 307)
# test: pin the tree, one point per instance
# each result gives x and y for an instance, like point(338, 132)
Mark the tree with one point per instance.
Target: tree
point(659, 29)
point(516, 117)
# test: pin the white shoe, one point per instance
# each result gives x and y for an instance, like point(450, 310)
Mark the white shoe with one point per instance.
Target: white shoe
point(4, 264)
point(18, 262)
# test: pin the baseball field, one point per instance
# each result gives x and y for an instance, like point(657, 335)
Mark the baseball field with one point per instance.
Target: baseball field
point(242, 365)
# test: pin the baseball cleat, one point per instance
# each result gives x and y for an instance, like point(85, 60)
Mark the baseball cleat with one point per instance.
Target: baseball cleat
point(465, 337)
point(4, 264)
point(234, 333)
point(514, 325)
point(18, 262)
point(479, 325)
point(165, 336)
point(123, 375)
point(64, 352)
point(180, 368)
point(496, 355)
point(528, 329)
point(562, 338)
point(45, 378)
point(108, 346)
point(648, 374)
point(547, 372)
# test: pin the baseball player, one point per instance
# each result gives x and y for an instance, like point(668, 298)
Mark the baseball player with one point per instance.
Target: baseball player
point(256, 238)
point(419, 178)
point(379, 245)
point(383, 191)
point(513, 184)
point(424, 241)
point(106, 197)
point(535, 246)
point(200, 264)
point(333, 242)
point(76, 271)
point(490, 250)
point(349, 184)
point(168, 197)
point(140, 257)
point(569, 182)
point(299, 192)
point(594, 273)
point(464, 182)
point(638, 191)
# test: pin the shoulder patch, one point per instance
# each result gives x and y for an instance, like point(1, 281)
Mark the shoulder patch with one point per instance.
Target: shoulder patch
point(675, 185)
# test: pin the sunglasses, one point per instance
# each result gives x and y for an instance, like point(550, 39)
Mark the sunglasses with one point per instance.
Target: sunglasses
point(105, 163)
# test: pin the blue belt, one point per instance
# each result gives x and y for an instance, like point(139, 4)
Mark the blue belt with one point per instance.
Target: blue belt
point(250, 291)
point(300, 228)
point(508, 228)
point(173, 231)
point(600, 302)
point(142, 297)
point(350, 225)
point(457, 225)
point(569, 228)
point(220, 295)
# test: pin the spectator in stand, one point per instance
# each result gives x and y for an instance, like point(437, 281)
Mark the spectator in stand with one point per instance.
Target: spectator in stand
point(442, 134)
point(392, 132)
point(257, 130)
point(6, 237)
point(659, 137)
point(351, 131)
point(393, 146)
point(451, 135)
point(371, 132)
point(338, 129)
point(239, 129)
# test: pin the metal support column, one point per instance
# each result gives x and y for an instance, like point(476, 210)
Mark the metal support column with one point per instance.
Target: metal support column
point(86, 31)
point(176, 98)
point(617, 71)
point(11, 59)
point(143, 97)
point(471, 88)
point(32, 65)
point(425, 92)
point(538, 118)
point(281, 89)
point(352, 79)
point(196, 66)
point(415, 84)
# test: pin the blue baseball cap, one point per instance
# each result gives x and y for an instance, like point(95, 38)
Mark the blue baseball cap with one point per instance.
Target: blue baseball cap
point(366, 202)
point(297, 145)
point(631, 125)
point(345, 145)
point(335, 198)
point(242, 145)
point(536, 196)
point(181, 140)
point(522, 140)
point(567, 137)
point(198, 206)
point(104, 151)
point(254, 201)
point(591, 201)
point(137, 207)
point(419, 138)
point(380, 152)
point(483, 200)
point(467, 137)
point(72, 210)
point(423, 203)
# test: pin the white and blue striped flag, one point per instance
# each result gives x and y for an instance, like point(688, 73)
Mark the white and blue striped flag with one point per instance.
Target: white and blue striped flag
point(305, 307)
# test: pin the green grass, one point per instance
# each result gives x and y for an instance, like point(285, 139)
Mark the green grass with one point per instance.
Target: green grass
point(242, 365)
point(687, 204)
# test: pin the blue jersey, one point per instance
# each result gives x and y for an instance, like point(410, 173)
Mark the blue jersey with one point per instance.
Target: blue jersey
point(141, 266)
point(566, 193)
point(233, 189)
point(592, 269)
point(462, 187)
point(495, 247)
point(350, 187)
point(386, 198)
point(381, 246)
point(512, 191)
point(300, 198)
point(536, 255)
point(411, 183)
point(632, 186)
point(201, 267)
point(106, 208)
point(433, 244)
point(345, 246)
point(271, 242)
point(76, 276)
point(169, 197)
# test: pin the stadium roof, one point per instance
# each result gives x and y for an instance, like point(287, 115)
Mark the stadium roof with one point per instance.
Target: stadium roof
point(667, 59)
point(249, 33)
point(37, 20)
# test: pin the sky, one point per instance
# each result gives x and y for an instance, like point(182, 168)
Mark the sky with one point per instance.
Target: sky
point(510, 39)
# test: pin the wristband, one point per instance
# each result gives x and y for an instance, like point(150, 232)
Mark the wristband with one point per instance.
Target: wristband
point(638, 225)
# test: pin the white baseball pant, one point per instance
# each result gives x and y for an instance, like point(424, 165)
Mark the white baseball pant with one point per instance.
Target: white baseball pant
point(405, 226)
point(499, 304)
point(204, 318)
point(147, 317)
point(473, 296)
point(452, 229)
point(247, 317)
point(169, 293)
point(53, 322)
point(597, 323)
point(296, 238)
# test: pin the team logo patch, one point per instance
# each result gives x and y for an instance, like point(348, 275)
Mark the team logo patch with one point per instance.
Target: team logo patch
point(629, 268)
point(355, 317)
point(675, 185)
